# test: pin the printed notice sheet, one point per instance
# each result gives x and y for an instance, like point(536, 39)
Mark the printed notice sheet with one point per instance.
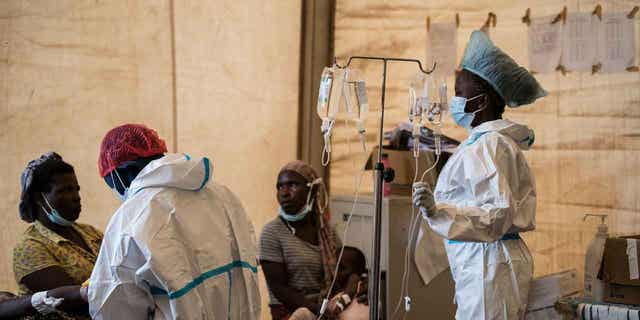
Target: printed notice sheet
point(545, 44)
point(442, 48)
point(616, 42)
point(579, 42)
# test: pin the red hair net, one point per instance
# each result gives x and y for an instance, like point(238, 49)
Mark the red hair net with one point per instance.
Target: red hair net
point(126, 143)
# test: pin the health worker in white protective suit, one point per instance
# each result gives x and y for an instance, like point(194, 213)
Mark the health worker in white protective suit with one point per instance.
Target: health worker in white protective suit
point(485, 195)
point(179, 246)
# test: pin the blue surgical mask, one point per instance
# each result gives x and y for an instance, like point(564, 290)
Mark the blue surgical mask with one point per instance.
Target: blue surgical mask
point(53, 215)
point(461, 118)
point(122, 197)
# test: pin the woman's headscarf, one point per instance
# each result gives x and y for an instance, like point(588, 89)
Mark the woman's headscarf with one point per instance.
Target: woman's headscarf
point(325, 236)
point(31, 173)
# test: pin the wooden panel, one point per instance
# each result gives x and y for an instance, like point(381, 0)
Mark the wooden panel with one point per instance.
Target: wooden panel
point(587, 130)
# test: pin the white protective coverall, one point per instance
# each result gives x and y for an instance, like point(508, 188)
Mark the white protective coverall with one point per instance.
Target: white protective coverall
point(177, 248)
point(484, 197)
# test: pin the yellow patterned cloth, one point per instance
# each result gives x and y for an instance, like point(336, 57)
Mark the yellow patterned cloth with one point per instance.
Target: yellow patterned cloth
point(40, 248)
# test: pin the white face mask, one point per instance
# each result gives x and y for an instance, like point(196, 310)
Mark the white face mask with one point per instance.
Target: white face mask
point(122, 197)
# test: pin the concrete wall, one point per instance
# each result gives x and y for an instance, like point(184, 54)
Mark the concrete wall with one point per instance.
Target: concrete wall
point(214, 78)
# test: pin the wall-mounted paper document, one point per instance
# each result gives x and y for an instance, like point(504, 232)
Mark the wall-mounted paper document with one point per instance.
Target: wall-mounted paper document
point(579, 42)
point(545, 44)
point(442, 46)
point(616, 42)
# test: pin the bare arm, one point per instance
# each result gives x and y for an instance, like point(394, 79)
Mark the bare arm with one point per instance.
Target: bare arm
point(59, 285)
point(16, 307)
point(73, 299)
point(46, 279)
point(21, 306)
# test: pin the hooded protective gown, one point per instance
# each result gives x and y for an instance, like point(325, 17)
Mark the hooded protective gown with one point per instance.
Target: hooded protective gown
point(484, 197)
point(176, 249)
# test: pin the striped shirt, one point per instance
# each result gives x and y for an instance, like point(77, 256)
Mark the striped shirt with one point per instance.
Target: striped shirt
point(302, 259)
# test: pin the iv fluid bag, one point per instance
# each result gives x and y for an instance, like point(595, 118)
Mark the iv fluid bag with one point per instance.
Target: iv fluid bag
point(419, 100)
point(355, 93)
point(329, 96)
point(356, 97)
point(430, 99)
point(443, 96)
point(418, 106)
point(438, 107)
point(330, 93)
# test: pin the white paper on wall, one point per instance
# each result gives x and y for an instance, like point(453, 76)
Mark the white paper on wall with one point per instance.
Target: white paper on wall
point(545, 44)
point(442, 46)
point(579, 42)
point(616, 42)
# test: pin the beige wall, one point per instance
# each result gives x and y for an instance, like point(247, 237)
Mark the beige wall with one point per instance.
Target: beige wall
point(237, 92)
point(71, 70)
point(587, 150)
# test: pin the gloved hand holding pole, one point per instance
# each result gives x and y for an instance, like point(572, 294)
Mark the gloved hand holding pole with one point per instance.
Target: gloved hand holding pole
point(423, 198)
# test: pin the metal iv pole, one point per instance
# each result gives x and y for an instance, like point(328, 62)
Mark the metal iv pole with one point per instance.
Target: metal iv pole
point(374, 279)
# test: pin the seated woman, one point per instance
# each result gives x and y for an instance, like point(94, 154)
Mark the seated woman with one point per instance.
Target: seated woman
point(298, 248)
point(54, 251)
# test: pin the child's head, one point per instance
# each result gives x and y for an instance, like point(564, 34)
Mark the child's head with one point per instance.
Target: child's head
point(352, 262)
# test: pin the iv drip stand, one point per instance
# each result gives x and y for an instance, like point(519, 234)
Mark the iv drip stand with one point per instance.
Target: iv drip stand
point(374, 279)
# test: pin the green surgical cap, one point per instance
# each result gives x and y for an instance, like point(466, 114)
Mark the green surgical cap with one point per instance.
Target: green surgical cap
point(515, 84)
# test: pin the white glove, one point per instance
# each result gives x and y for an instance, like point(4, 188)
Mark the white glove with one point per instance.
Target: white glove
point(43, 304)
point(423, 198)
